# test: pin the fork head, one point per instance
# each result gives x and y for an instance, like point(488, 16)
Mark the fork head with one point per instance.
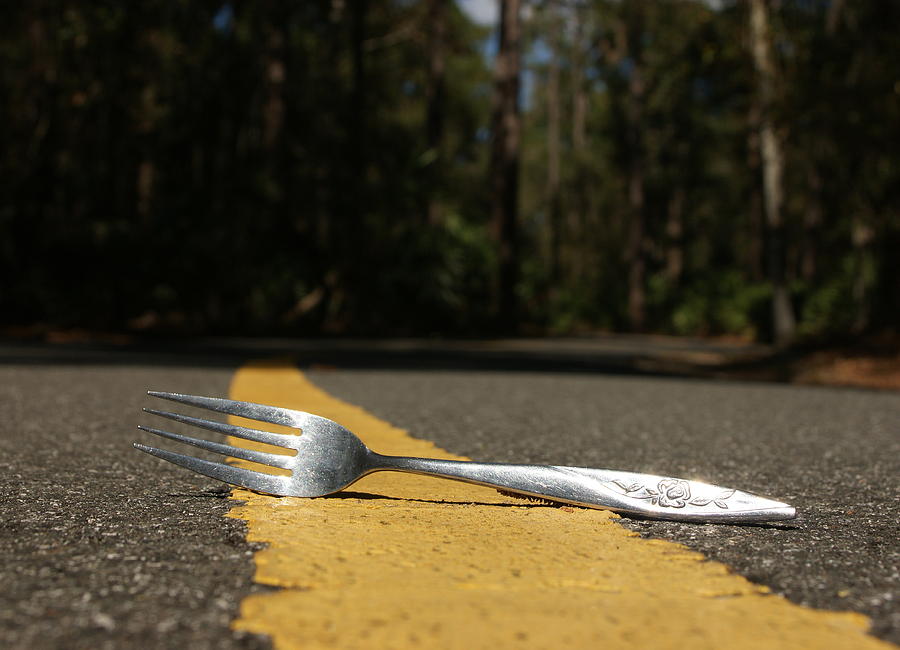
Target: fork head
point(328, 457)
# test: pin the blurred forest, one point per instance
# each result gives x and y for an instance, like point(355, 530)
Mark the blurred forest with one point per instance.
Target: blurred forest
point(390, 167)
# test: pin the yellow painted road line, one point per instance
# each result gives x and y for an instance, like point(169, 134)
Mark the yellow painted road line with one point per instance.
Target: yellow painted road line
point(409, 561)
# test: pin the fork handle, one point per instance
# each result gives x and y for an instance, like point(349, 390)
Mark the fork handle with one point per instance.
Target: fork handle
point(646, 495)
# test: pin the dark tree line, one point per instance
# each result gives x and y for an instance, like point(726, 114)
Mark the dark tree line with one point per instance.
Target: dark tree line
point(363, 168)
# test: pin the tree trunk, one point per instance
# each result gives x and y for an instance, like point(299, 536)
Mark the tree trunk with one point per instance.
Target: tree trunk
point(435, 91)
point(357, 108)
point(812, 221)
point(274, 73)
point(579, 93)
point(862, 236)
point(580, 204)
point(675, 236)
point(504, 168)
point(635, 247)
point(833, 17)
point(346, 283)
point(783, 322)
point(554, 206)
point(754, 246)
point(146, 179)
point(358, 114)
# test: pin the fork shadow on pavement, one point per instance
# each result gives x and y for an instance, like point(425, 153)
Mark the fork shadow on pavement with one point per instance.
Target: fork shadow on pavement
point(526, 502)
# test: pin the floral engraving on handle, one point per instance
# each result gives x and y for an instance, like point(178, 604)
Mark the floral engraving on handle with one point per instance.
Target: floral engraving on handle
point(672, 493)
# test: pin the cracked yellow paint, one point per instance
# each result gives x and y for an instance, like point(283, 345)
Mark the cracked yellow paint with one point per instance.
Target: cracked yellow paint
point(408, 561)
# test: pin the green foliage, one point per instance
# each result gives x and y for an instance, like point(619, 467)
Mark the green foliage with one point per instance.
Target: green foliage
point(835, 306)
point(714, 303)
point(167, 166)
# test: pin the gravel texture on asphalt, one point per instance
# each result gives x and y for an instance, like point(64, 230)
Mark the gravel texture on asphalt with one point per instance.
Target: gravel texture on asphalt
point(102, 546)
point(832, 453)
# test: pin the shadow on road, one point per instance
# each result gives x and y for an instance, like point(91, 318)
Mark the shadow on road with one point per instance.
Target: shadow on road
point(612, 354)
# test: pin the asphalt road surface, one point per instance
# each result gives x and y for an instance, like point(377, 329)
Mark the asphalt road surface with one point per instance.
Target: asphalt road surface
point(98, 548)
point(833, 454)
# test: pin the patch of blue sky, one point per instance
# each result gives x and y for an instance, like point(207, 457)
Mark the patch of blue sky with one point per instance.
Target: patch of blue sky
point(223, 21)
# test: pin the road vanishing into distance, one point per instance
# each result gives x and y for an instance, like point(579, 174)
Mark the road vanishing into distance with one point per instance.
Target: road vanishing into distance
point(102, 546)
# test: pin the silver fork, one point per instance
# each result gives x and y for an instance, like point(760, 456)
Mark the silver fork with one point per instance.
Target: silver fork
point(329, 458)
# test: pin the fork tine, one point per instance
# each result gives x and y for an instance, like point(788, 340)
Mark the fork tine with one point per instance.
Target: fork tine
point(277, 439)
point(261, 412)
point(222, 472)
point(275, 460)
